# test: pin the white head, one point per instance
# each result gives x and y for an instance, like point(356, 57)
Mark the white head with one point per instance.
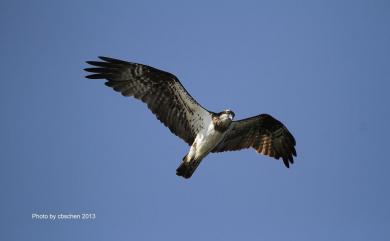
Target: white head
point(226, 114)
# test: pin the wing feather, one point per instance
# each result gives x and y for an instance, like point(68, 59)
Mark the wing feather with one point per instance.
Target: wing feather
point(264, 133)
point(162, 92)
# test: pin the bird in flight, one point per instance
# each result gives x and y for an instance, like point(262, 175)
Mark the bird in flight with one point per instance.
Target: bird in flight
point(205, 131)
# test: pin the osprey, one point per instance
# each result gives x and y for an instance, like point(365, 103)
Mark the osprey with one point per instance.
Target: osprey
point(205, 131)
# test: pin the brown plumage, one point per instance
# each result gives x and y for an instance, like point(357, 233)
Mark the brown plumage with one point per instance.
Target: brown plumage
point(264, 133)
point(163, 93)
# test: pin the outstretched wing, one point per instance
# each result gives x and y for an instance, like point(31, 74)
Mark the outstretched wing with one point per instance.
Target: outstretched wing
point(161, 91)
point(264, 133)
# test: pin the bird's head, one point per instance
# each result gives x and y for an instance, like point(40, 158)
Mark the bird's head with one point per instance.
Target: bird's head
point(222, 120)
point(226, 114)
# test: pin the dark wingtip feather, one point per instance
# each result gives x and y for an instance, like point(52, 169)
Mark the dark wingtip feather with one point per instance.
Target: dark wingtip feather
point(293, 139)
point(100, 64)
point(110, 83)
point(96, 76)
point(107, 59)
point(92, 70)
point(112, 60)
point(286, 163)
point(291, 159)
point(101, 70)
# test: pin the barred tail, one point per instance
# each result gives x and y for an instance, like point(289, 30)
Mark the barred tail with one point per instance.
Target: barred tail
point(187, 167)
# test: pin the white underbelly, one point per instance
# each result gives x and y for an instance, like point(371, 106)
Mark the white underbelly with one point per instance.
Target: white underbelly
point(206, 141)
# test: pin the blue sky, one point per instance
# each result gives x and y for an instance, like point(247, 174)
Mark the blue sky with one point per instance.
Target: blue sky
point(72, 145)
